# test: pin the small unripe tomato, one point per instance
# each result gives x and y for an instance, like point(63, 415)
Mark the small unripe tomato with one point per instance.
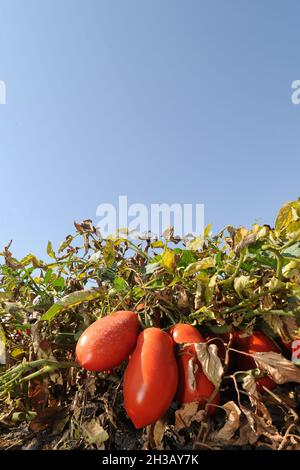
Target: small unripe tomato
point(257, 342)
point(150, 378)
point(193, 385)
point(108, 342)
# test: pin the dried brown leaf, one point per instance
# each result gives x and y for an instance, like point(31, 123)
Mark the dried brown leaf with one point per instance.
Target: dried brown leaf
point(246, 435)
point(156, 434)
point(280, 369)
point(48, 418)
point(85, 226)
point(186, 414)
point(231, 425)
point(261, 423)
point(283, 326)
point(208, 357)
point(94, 434)
point(249, 385)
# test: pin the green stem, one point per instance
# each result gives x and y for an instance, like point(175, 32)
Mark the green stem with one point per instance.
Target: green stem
point(166, 311)
point(231, 278)
point(279, 258)
point(14, 373)
point(247, 302)
point(137, 249)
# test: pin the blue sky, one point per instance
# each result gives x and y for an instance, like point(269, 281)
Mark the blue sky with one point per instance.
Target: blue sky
point(164, 101)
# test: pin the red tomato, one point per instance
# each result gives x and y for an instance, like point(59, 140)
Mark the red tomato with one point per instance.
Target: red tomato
point(184, 333)
point(257, 342)
point(108, 342)
point(198, 388)
point(150, 378)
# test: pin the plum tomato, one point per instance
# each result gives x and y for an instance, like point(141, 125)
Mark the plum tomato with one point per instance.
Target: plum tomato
point(150, 379)
point(108, 342)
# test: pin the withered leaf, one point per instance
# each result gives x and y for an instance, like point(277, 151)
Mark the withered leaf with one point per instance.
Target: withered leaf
point(48, 418)
point(249, 384)
point(280, 369)
point(208, 357)
point(186, 414)
point(261, 423)
point(231, 425)
point(85, 226)
point(156, 434)
point(94, 434)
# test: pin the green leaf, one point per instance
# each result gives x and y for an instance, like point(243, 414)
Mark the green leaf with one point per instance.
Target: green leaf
point(186, 257)
point(288, 213)
point(48, 276)
point(200, 265)
point(156, 259)
point(293, 251)
point(207, 230)
point(242, 284)
point(168, 260)
point(109, 253)
point(210, 289)
point(30, 259)
point(120, 284)
point(202, 315)
point(155, 284)
point(59, 283)
point(157, 244)
point(50, 251)
point(70, 301)
point(137, 293)
point(194, 244)
point(218, 259)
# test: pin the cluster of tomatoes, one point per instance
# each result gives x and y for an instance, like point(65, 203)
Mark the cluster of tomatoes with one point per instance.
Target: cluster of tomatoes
point(159, 369)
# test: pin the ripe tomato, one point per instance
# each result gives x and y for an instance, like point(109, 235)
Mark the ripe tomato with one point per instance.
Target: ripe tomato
point(257, 342)
point(193, 385)
point(108, 342)
point(184, 333)
point(150, 378)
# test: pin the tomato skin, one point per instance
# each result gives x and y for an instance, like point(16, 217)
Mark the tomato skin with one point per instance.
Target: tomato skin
point(107, 342)
point(185, 333)
point(203, 388)
point(257, 342)
point(150, 379)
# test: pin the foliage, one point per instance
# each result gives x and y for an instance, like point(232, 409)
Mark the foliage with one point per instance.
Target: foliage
point(240, 278)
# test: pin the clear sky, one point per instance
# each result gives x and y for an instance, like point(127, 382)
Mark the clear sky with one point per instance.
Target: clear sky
point(164, 101)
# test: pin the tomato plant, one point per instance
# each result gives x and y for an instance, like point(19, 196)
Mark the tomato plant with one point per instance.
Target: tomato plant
point(108, 342)
point(150, 378)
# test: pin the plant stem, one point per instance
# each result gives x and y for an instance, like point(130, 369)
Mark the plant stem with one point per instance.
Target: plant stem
point(279, 258)
point(231, 278)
